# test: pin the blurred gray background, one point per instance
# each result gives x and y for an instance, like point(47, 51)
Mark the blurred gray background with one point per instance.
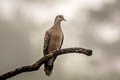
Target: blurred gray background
point(92, 24)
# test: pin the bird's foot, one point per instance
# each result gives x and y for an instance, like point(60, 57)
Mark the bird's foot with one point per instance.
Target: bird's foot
point(57, 49)
point(51, 51)
point(54, 50)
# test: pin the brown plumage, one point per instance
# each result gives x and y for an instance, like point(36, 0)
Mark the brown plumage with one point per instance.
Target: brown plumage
point(53, 41)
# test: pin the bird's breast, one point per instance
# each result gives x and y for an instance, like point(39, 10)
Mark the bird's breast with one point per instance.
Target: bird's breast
point(55, 41)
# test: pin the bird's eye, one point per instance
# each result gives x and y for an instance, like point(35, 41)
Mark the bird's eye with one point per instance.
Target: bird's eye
point(60, 16)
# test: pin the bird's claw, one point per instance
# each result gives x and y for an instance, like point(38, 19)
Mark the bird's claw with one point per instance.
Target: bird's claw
point(54, 50)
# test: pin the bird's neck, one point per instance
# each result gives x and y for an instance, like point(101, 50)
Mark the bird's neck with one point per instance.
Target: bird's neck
point(57, 24)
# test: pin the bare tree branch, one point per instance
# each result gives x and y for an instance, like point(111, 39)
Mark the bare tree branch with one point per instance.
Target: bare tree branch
point(41, 61)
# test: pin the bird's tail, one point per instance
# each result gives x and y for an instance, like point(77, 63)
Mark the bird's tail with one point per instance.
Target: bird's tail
point(48, 66)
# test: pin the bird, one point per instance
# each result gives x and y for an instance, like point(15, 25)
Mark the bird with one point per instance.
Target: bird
point(53, 40)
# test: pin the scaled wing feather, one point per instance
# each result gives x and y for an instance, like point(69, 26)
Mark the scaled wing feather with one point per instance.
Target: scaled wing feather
point(46, 43)
point(62, 41)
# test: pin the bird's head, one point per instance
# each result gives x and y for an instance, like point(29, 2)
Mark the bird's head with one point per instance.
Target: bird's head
point(59, 18)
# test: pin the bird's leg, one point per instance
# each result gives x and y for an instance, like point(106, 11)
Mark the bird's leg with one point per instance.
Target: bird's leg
point(53, 51)
point(57, 49)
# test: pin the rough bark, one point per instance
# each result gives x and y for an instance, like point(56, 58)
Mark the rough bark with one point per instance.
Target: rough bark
point(41, 61)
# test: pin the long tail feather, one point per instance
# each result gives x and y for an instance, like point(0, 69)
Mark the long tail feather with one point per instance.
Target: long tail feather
point(48, 67)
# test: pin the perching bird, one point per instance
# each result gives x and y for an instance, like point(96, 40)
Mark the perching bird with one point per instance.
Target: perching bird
point(53, 41)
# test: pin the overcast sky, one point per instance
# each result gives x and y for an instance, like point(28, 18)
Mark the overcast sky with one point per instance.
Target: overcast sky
point(92, 24)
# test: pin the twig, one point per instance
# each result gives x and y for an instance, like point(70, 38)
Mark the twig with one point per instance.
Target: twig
point(41, 61)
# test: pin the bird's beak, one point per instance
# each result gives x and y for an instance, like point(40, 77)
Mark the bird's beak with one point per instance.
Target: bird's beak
point(64, 19)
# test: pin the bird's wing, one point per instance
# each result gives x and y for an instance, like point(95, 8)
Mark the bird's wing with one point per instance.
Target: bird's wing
point(46, 42)
point(62, 41)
